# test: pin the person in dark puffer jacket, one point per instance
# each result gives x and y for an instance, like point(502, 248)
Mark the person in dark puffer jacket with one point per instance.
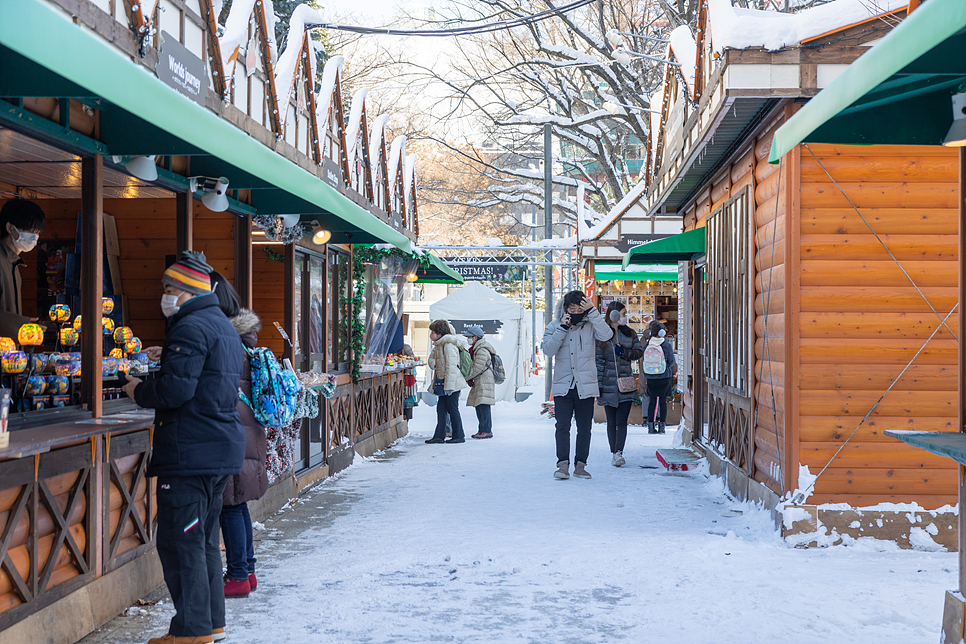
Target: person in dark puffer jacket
point(614, 360)
point(198, 443)
point(251, 484)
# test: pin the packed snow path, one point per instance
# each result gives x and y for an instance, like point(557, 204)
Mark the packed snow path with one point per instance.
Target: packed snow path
point(478, 543)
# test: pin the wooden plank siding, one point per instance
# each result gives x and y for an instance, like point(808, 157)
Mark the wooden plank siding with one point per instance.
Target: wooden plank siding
point(268, 295)
point(770, 233)
point(862, 320)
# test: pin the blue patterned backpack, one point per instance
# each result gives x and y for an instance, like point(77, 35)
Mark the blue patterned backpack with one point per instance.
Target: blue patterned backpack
point(274, 389)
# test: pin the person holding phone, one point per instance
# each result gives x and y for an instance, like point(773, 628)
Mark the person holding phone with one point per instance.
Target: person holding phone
point(572, 341)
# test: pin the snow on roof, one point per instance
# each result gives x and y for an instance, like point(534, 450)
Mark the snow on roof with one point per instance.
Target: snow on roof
point(289, 60)
point(323, 100)
point(378, 131)
point(409, 178)
point(396, 152)
point(354, 124)
point(235, 31)
point(738, 28)
point(686, 52)
point(589, 230)
point(554, 242)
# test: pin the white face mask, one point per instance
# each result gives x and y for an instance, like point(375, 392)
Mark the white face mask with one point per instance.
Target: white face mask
point(624, 320)
point(169, 305)
point(25, 242)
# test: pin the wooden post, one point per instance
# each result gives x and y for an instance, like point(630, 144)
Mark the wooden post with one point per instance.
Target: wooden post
point(289, 320)
point(791, 184)
point(92, 281)
point(962, 363)
point(184, 228)
point(243, 259)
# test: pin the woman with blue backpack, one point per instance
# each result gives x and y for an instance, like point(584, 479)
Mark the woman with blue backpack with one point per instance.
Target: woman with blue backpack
point(251, 484)
point(659, 369)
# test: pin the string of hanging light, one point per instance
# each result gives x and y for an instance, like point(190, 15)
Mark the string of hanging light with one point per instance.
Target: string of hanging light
point(489, 27)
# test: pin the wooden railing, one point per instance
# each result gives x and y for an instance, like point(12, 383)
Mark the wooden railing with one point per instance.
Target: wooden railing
point(358, 411)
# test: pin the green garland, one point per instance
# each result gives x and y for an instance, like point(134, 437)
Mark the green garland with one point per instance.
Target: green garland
point(362, 255)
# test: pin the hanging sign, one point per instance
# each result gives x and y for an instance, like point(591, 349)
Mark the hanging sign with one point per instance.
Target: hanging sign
point(181, 69)
point(590, 287)
point(251, 51)
point(332, 173)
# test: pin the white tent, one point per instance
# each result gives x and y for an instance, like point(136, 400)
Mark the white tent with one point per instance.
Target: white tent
point(506, 324)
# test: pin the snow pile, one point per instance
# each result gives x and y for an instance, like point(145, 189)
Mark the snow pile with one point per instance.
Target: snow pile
point(686, 52)
point(289, 60)
point(376, 144)
point(397, 151)
point(330, 76)
point(564, 243)
point(235, 32)
point(353, 126)
point(736, 28)
point(806, 485)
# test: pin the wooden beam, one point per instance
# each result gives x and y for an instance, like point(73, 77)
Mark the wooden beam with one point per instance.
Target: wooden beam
point(791, 185)
point(289, 296)
point(184, 220)
point(243, 259)
point(92, 280)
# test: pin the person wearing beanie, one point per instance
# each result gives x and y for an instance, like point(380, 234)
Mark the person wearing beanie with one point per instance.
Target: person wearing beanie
point(198, 443)
point(481, 381)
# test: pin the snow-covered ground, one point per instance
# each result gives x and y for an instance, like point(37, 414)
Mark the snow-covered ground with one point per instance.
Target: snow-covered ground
point(478, 543)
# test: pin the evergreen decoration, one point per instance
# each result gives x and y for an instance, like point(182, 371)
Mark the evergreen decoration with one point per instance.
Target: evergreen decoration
point(275, 230)
point(362, 255)
point(274, 255)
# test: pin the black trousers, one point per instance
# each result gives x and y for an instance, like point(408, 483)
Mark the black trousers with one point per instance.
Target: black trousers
point(617, 425)
point(657, 392)
point(567, 407)
point(449, 407)
point(485, 418)
point(189, 508)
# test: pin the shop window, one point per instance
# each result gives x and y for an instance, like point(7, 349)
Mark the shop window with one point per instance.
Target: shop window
point(339, 345)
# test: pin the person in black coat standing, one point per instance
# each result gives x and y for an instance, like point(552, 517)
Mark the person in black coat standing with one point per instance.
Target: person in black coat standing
point(614, 360)
point(198, 443)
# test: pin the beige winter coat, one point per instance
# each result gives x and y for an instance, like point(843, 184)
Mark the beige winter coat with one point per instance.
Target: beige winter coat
point(444, 360)
point(484, 386)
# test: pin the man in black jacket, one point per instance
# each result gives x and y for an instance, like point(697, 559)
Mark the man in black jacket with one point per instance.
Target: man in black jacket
point(198, 442)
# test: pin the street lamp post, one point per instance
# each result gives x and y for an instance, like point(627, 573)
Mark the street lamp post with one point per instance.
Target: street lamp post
point(548, 234)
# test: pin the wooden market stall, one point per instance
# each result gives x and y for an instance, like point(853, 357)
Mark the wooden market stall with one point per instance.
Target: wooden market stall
point(127, 168)
point(822, 277)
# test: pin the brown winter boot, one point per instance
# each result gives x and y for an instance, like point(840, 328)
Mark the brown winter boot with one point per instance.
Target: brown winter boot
point(190, 639)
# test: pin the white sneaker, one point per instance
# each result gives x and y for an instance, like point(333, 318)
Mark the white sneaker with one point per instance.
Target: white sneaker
point(618, 459)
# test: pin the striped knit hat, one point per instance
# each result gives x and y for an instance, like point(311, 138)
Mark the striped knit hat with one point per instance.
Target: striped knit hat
point(190, 273)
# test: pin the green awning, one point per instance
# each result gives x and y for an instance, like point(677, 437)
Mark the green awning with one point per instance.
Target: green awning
point(949, 444)
point(43, 53)
point(896, 93)
point(438, 273)
point(639, 273)
point(679, 248)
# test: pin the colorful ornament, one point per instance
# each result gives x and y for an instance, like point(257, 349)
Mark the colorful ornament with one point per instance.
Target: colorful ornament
point(59, 313)
point(77, 323)
point(7, 345)
point(108, 367)
point(31, 335)
point(107, 326)
point(133, 345)
point(67, 367)
point(35, 385)
point(123, 365)
point(107, 305)
point(13, 362)
point(38, 362)
point(58, 384)
point(122, 334)
point(117, 353)
point(69, 336)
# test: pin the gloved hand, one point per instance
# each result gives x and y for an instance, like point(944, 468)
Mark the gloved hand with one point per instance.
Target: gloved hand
point(619, 350)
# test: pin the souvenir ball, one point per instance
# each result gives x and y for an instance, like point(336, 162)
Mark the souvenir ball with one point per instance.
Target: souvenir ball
point(108, 367)
point(31, 335)
point(38, 362)
point(123, 365)
point(77, 323)
point(57, 384)
point(122, 334)
point(59, 313)
point(133, 345)
point(117, 353)
point(7, 345)
point(69, 336)
point(36, 385)
point(62, 368)
point(107, 305)
point(107, 325)
point(74, 355)
point(14, 362)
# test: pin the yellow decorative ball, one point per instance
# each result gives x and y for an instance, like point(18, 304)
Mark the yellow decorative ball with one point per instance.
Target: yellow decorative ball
point(59, 313)
point(77, 323)
point(107, 305)
point(69, 336)
point(7, 345)
point(122, 334)
point(107, 325)
point(31, 334)
point(117, 353)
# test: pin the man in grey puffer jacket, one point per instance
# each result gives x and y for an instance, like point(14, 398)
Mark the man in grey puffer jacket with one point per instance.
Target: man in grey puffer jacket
point(572, 340)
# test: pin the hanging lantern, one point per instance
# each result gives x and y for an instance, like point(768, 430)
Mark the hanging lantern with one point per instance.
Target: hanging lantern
point(7, 345)
point(77, 323)
point(59, 313)
point(31, 335)
point(69, 336)
point(13, 362)
point(117, 353)
point(123, 365)
point(38, 362)
point(107, 326)
point(107, 305)
point(122, 334)
point(133, 345)
point(58, 384)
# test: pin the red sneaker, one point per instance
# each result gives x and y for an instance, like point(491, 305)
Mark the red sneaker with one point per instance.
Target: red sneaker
point(252, 581)
point(237, 588)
